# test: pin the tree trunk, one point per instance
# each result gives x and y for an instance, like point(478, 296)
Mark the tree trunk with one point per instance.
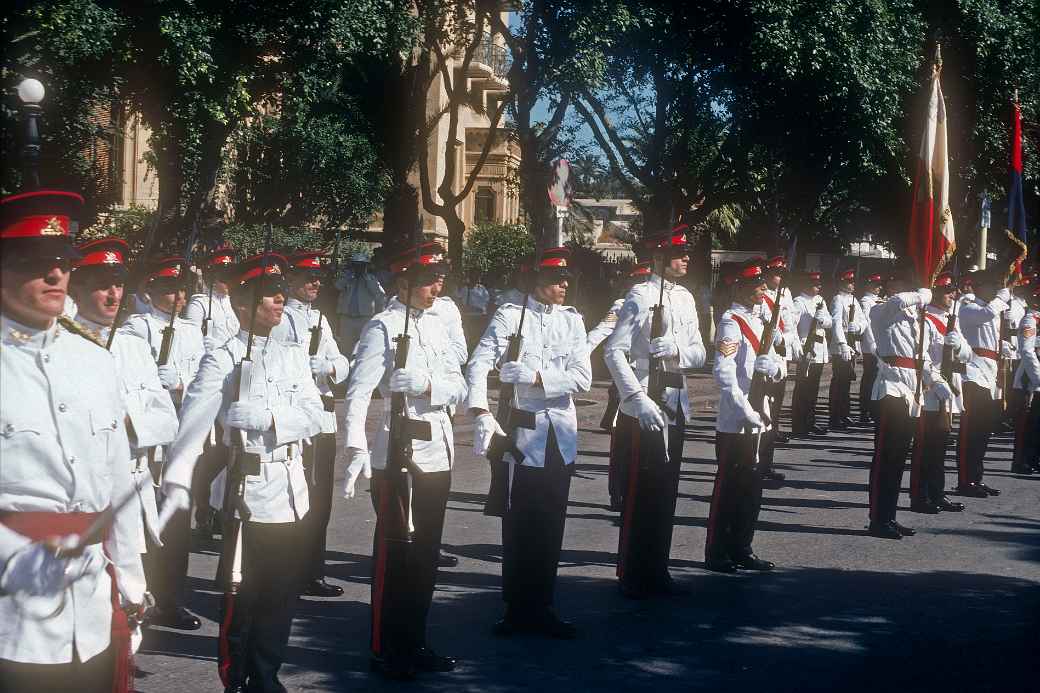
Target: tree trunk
point(400, 216)
point(456, 238)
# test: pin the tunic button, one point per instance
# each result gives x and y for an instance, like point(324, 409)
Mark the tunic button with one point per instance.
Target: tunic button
point(143, 386)
point(62, 407)
point(9, 428)
point(46, 358)
point(114, 425)
point(72, 459)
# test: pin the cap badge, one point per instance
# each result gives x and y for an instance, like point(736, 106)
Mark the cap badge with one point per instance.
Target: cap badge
point(52, 228)
point(111, 258)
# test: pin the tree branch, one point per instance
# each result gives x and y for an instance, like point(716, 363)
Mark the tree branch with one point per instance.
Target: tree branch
point(616, 166)
point(603, 119)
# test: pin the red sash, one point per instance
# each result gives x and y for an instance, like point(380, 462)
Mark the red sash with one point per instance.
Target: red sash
point(937, 323)
point(772, 306)
point(986, 353)
point(746, 330)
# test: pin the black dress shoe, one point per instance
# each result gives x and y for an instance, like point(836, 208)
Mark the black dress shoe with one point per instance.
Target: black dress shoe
point(782, 438)
point(446, 560)
point(428, 660)
point(924, 507)
point(950, 506)
point(320, 588)
point(904, 530)
point(1021, 469)
point(971, 491)
point(668, 587)
point(548, 623)
point(883, 530)
point(394, 669)
point(989, 491)
point(178, 618)
point(720, 565)
point(772, 476)
point(235, 689)
point(753, 562)
point(818, 431)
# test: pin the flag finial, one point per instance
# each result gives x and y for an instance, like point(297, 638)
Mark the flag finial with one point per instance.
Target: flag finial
point(938, 56)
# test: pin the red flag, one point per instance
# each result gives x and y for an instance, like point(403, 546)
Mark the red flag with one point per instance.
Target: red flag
point(931, 239)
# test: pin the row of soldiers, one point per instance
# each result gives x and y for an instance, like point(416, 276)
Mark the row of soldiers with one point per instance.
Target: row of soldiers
point(247, 376)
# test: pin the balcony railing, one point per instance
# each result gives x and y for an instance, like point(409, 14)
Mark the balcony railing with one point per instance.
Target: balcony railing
point(493, 55)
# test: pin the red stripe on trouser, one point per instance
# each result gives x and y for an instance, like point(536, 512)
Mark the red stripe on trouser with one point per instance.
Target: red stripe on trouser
point(713, 509)
point(962, 449)
point(223, 646)
point(380, 575)
point(630, 498)
point(875, 467)
point(917, 461)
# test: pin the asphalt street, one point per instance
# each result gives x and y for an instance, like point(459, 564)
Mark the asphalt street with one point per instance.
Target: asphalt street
point(955, 608)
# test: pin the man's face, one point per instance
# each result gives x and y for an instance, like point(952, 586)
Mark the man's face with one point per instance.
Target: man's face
point(773, 281)
point(98, 296)
point(425, 291)
point(220, 285)
point(944, 299)
point(677, 266)
point(755, 294)
point(813, 290)
point(848, 286)
point(552, 294)
point(305, 286)
point(34, 292)
point(167, 297)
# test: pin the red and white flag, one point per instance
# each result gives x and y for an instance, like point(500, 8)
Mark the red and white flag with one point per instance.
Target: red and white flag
point(931, 238)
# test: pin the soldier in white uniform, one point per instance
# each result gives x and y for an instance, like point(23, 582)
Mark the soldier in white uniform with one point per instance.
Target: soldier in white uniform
point(552, 367)
point(812, 317)
point(167, 564)
point(896, 326)
point(651, 432)
point(739, 429)
point(433, 384)
point(867, 347)
point(97, 283)
point(790, 349)
point(64, 595)
point(980, 324)
point(211, 312)
point(300, 322)
point(269, 422)
point(1026, 458)
point(927, 473)
point(848, 322)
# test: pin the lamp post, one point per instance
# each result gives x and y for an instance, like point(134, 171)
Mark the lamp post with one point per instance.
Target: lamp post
point(984, 228)
point(31, 93)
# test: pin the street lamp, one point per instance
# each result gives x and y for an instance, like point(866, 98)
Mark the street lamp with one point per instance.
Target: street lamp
point(31, 93)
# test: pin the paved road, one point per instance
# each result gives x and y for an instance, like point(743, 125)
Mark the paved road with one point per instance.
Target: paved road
point(956, 608)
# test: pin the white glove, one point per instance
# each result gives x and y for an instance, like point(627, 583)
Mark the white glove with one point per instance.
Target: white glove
point(33, 571)
point(796, 351)
point(752, 418)
point(953, 339)
point(168, 377)
point(1007, 351)
point(248, 416)
point(409, 382)
point(845, 352)
point(664, 348)
point(648, 413)
point(360, 464)
point(942, 391)
point(211, 343)
point(1004, 295)
point(321, 367)
point(767, 366)
point(484, 429)
point(925, 296)
point(518, 373)
point(175, 499)
point(778, 337)
point(821, 314)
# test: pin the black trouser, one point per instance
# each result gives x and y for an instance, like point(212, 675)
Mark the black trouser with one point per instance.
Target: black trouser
point(621, 440)
point(866, 387)
point(532, 532)
point(981, 416)
point(838, 397)
point(92, 676)
point(214, 458)
point(803, 404)
point(166, 566)
point(645, 542)
point(255, 622)
point(892, 439)
point(735, 499)
point(320, 460)
point(613, 402)
point(1027, 432)
point(777, 394)
point(927, 470)
point(404, 574)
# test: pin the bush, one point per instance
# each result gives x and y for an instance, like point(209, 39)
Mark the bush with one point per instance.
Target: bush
point(493, 252)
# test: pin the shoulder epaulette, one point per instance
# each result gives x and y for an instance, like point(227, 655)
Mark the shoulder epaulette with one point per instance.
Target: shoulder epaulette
point(77, 329)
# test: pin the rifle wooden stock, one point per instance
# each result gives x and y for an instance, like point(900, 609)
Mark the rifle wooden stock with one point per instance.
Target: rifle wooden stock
point(809, 346)
point(759, 388)
point(510, 418)
point(851, 338)
point(403, 431)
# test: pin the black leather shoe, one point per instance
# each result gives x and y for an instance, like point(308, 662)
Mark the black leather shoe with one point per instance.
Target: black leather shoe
point(753, 562)
point(428, 660)
point(924, 507)
point(320, 588)
point(668, 587)
point(782, 437)
point(178, 618)
point(446, 561)
point(772, 476)
point(555, 627)
point(883, 530)
point(393, 669)
point(818, 431)
point(1021, 469)
point(904, 530)
point(720, 565)
point(235, 689)
point(971, 491)
point(950, 506)
point(988, 490)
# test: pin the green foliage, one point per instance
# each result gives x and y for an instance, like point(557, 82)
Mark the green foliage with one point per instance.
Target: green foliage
point(493, 252)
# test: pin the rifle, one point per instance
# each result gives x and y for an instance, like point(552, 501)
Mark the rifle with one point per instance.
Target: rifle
point(659, 379)
point(809, 345)
point(758, 390)
point(851, 338)
point(209, 311)
point(1002, 363)
point(143, 257)
point(949, 366)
